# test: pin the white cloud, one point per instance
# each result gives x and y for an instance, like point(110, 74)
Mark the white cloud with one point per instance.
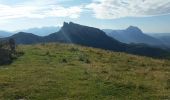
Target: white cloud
point(72, 12)
point(111, 9)
point(9, 12)
point(38, 9)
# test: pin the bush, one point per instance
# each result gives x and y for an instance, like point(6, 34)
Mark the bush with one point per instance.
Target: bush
point(5, 57)
point(7, 51)
point(87, 61)
point(74, 49)
point(84, 58)
point(81, 58)
point(64, 60)
point(47, 53)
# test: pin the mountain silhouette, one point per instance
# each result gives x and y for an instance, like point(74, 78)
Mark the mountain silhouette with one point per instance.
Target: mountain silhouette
point(43, 31)
point(88, 36)
point(134, 35)
point(84, 35)
point(26, 38)
point(164, 37)
point(5, 34)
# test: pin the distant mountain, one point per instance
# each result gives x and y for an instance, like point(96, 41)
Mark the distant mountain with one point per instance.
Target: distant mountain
point(42, 31)
point(84, 35)
point(158, 34)
point(134, 35)
point(165, 40)
point(5, 34)
point(26, 38)
point(164, 37)
point(88, 36)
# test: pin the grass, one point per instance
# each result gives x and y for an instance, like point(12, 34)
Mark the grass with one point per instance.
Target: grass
point(71, 72)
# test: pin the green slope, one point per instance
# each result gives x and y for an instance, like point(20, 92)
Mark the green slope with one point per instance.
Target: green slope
point(69, 72)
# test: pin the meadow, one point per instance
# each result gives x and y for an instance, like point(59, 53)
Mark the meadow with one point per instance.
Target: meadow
point(70, 72)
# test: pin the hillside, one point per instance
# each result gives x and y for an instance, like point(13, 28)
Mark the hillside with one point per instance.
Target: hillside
point(62, 71)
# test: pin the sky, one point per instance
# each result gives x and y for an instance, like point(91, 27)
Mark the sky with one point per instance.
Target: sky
point(152, 16)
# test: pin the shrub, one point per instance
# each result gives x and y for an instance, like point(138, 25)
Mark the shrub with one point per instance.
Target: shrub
point(81, 58)
point(87, 61)
point(8, 52)
point(74, 49)
point(84, 58)
point(47, 53)
point(5, 57)
point(64, 60)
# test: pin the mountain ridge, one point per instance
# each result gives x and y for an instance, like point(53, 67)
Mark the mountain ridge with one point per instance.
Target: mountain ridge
point(164, 37)
point(4, 34)
point(89, 36)
point(134, 35)
point(42, 31)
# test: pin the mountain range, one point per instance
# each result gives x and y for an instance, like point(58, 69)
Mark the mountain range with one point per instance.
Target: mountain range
point(134, 35)
point(5, 34)
point(88, 36)
point(163, 37)
point(43, 31)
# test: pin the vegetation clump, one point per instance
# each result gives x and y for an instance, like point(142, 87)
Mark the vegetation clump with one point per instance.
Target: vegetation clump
point(84, 58)
point(64, 60)
point(8, 51)
point(73, 49)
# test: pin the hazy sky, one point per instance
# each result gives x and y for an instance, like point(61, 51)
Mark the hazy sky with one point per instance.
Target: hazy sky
point(152, 16)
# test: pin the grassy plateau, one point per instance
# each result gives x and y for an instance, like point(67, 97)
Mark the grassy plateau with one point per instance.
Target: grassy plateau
point(71, 72)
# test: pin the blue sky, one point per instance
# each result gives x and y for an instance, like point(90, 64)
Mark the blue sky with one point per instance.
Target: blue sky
point(152, 16)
